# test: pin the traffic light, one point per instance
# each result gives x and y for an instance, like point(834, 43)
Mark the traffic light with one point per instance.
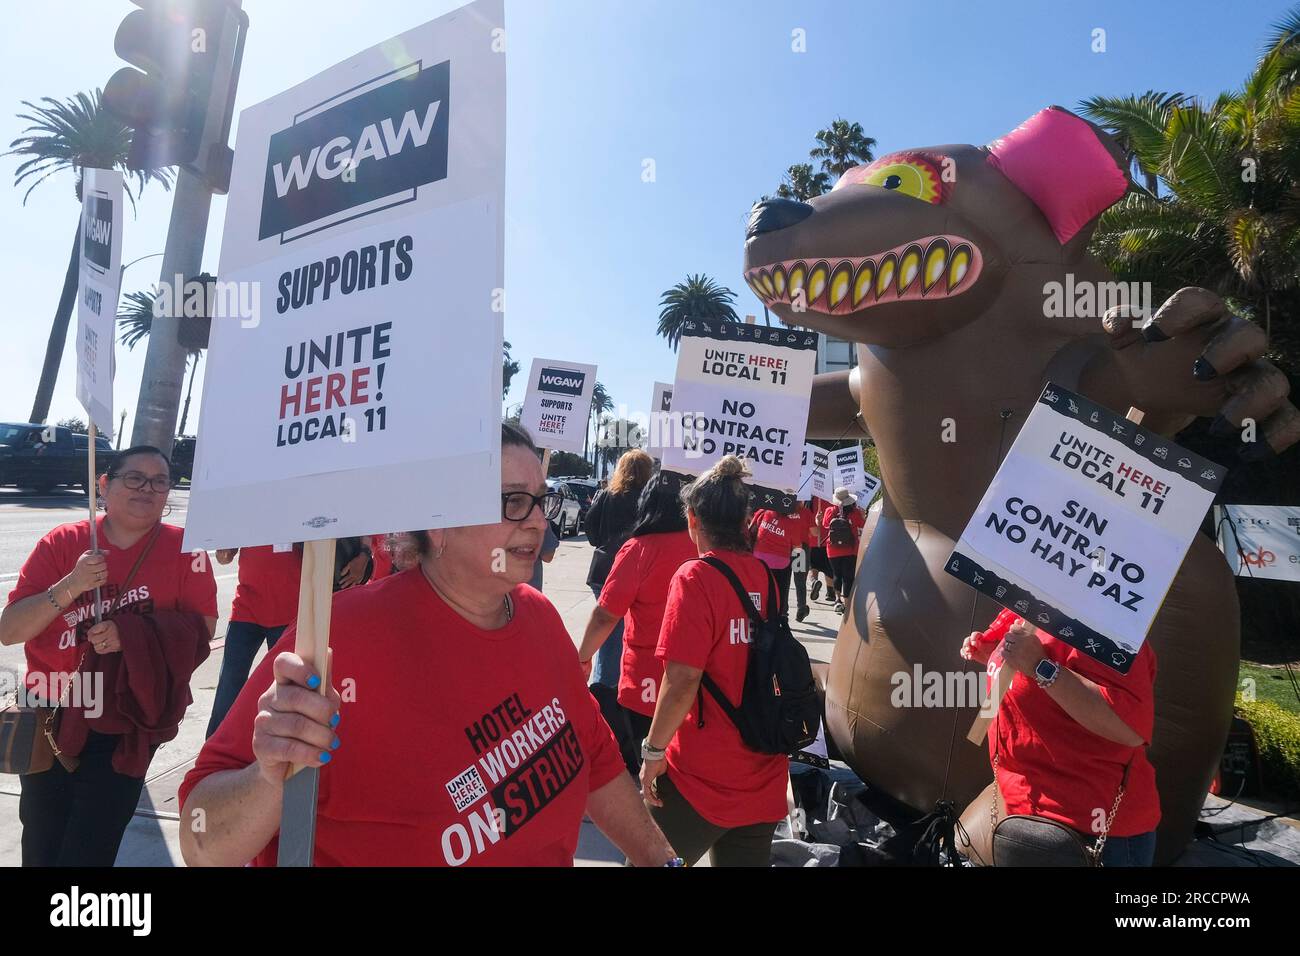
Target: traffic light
point(179, 103)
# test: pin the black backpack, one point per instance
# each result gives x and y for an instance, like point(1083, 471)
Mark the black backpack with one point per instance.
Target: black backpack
point(779, 712)
point(841, 530)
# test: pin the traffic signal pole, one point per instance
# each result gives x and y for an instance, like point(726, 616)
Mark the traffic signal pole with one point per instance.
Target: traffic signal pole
point(195, 137)
point(164, 364)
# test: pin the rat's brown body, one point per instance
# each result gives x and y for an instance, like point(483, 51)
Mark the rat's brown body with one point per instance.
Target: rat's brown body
point(944, 385)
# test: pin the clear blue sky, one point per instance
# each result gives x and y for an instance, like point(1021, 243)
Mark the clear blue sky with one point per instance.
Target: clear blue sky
point(709, 89)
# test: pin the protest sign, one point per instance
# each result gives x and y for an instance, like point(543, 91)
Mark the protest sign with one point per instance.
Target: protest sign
point(97, 292)
point(849, 471)
point(362, 394)
point(1085, 525)
point(1261, 541)
point(815, 476)
point(557, 405)
point(660, 431)
point(743, 390)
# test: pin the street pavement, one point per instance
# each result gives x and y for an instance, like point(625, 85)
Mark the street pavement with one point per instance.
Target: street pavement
point(152, 839)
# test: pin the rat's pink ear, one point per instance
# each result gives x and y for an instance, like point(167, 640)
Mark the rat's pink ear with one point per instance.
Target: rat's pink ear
point(1058, 161)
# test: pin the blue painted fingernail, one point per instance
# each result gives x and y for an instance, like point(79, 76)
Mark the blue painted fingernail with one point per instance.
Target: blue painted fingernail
point(1203, 370)
point(334, 721)
point(334, 745)
point(313, 681)
point(1153, 333)
point(325, 756)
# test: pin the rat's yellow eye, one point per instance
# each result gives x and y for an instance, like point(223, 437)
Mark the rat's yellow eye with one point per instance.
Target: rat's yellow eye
point(912, 175)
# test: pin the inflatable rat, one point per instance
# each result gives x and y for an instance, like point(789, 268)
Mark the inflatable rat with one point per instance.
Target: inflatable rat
point(939, 263)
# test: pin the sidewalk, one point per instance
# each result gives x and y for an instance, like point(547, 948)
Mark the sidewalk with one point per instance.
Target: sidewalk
point(153, 838)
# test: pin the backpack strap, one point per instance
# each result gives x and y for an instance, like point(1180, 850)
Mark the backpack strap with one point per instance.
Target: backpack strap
point(707, 682)
point(730, 575)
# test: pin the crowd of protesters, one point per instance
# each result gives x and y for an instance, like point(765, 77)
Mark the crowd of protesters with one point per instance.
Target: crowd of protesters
point(479, 672)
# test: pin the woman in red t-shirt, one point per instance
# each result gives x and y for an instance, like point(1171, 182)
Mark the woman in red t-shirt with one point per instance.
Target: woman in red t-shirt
point(636, 590)
point(474, 739)
point(818, 563)
point(77, 817)
point(707, 789)
point(1069, 730)
point(841, 544)
point(776, 537)
point(266, 602)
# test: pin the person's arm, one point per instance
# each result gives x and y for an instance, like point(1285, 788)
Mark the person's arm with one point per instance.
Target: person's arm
point(599, 626)
point(1077, 696)
point(677, 692)
point(618, 812)
point(27, 618)
point(240, 808)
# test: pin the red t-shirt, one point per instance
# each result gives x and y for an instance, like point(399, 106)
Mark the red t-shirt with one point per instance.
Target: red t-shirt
point(778, 535)
point(383, 561)
point(854, 518)
point(267, 593)
point(448, 721)
point(169, 579)
point(1051, 766)
point(705, 626)
point(637, 590)
point(815, 522)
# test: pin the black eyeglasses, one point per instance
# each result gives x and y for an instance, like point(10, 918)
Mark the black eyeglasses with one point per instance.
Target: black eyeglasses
point(135, 481)
point(518, 505)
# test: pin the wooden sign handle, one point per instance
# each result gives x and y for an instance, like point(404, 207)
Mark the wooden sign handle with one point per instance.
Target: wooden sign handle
point(546, 462)
point(92, 496)
point(315, 602)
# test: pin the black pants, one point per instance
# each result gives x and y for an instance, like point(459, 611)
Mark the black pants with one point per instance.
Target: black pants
point(640, 726)
point(77, 819)
point(243, 640)
point(782, 576)
point(692, 836)
point(845, 569)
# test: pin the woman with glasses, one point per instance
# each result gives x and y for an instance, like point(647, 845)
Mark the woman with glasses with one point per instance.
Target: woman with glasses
point(159, 610)
point(465, 735)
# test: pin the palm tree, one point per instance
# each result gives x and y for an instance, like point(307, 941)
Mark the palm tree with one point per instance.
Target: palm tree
point(600, 403)
point(802, 183)
point(842, 146)
point(1230, 220)
point(73, 135)
point(509, 366)
point(1138, 123)
point(135, 322)
point(699, 297)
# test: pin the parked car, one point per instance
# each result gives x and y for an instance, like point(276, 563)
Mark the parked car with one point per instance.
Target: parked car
point(42, 457)
point(569, 521)
point(183, 459)
point(584, 489)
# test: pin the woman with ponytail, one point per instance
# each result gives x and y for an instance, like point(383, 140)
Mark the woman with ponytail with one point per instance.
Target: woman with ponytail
point(706, 789)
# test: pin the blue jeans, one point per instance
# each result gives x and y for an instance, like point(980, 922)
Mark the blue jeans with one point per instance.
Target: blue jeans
point(607, 665)
point(1139, 850)
point(242, 641)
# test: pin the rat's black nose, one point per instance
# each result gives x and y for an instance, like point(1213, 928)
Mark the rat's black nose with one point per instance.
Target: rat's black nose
point(773, 214)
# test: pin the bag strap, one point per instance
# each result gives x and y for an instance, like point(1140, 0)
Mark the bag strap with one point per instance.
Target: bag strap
point(745, 602)
point(130, 575)
point(1099, 844)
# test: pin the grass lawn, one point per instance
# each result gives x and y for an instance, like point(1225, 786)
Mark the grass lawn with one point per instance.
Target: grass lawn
point(1272, 683)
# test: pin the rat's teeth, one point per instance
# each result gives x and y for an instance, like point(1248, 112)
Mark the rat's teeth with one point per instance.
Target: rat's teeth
point(936, 258)
point(862, 282)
